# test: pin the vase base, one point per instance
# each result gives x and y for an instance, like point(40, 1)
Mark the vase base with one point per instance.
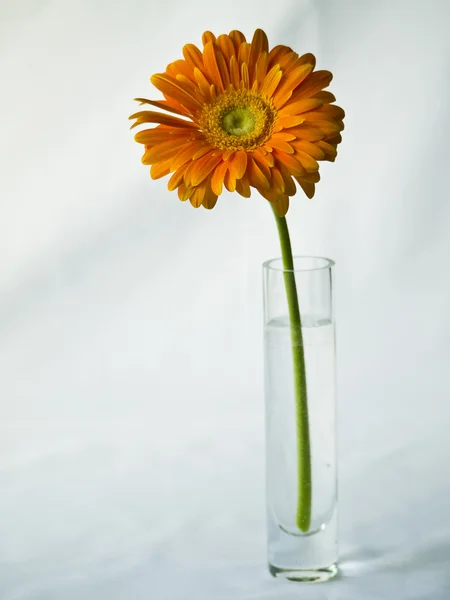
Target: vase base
point(305, 575)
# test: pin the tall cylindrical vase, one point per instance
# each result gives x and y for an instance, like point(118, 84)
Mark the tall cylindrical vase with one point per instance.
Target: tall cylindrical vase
point(300, 458)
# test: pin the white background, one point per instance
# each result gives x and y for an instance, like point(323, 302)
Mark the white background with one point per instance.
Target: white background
point(131, 414)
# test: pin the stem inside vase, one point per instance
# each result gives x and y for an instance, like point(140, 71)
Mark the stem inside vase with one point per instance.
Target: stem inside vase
point(304, 494)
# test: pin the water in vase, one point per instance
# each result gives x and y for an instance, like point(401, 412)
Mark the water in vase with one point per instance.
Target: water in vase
point(291, 551)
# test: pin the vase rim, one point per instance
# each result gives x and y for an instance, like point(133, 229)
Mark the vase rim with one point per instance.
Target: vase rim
point(301, 263)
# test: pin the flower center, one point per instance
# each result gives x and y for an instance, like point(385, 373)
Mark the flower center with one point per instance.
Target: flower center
point(238, 120)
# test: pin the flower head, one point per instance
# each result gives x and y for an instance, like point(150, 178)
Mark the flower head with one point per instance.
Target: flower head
point(245, 117)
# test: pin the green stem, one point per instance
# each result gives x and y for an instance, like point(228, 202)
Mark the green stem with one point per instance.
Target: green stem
point(303, 514)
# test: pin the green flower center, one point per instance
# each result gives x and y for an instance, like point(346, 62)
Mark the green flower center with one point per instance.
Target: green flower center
point(238, 121)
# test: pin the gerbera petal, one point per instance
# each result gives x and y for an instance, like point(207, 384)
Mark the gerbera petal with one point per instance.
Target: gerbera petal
point(280, 145)
point(313, 84)
point(289, 121)
point(230, 181)
point(154, 136)
point(223, 68)
point(264, 162)
point(311, 149)
point(203, 83)
point(175, 104)
point(245, 76)
point(226, 45)
point(288, 61)
point(306, 131)
point(261, 69)
point(200, 169)
point(307, 187)
point(294, 79)
point(276, 54)
point(256, 177)
point(308, 58)
point(329, 150)
point(335, 140)
point(228, 154)
point(259, 45)
point(160, 169)
point(277, 181)
point(217, 178)
point(326, 97)
point(177, 178)
point(163, 104)
point(193, 56)
point(150, 116)
point(238, 164)
point(263, 155)
point(308, 162)
point(300, 106)
point(234, 73)
point(188, 153)
point(244, 53)
point(292, 62)
point(211, 65)
point(190, 87)
point(311, 177)
point(180, 67)
point(271, 81)
point(290, 162)
point(184, 192)
point(202, 150)
point(171, 87)
point(208, 38)
point(286, 136)
point(161, 152)
point(210, 198)
point(238, 38)
point(213, 91)
point(243, 187)
point(197, 196)
point(280, 203)
point(328, 111)
point(289, 185)
point(330, 128)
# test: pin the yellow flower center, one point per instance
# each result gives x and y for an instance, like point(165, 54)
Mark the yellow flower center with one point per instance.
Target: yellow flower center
point(239, 120)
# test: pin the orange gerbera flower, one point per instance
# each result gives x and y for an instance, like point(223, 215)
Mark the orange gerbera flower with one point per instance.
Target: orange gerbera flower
point(247, 117)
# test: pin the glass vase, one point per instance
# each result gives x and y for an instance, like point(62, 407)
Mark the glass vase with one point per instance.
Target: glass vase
point(301, 470)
